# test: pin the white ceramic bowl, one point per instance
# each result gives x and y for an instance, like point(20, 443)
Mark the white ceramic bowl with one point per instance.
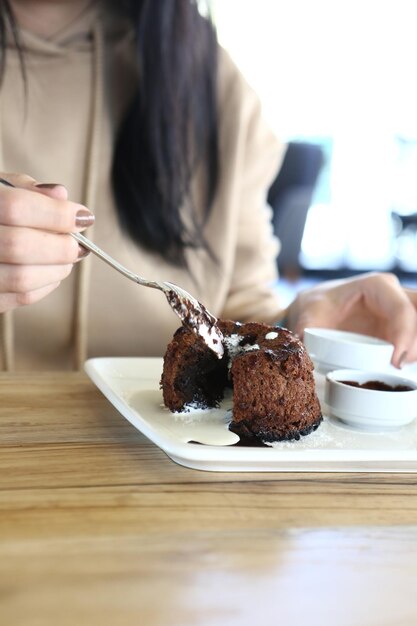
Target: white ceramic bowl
point(334, 349)
point(367, 408)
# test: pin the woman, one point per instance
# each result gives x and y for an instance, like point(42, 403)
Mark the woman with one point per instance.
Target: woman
point(140, 118)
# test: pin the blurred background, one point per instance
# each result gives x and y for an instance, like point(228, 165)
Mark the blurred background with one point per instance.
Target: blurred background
point(337, 82)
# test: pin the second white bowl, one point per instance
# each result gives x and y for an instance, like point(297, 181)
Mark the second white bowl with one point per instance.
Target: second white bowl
point(371, 409)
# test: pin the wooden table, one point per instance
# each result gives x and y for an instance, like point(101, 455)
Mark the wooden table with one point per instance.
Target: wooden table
point(98, 526)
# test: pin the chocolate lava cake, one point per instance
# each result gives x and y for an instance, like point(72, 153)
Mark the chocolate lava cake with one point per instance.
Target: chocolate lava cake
point(268, 368)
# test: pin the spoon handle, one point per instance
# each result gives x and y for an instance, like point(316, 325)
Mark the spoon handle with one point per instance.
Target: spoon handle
point(89, 245)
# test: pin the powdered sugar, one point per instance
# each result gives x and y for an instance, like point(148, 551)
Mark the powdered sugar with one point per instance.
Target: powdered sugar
point(234, 346)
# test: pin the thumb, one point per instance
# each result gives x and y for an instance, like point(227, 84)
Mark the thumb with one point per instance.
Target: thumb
point(316, 313)
point(23, 181)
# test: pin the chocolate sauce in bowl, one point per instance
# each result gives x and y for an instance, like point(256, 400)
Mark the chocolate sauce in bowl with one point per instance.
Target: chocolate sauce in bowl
point(376, 385)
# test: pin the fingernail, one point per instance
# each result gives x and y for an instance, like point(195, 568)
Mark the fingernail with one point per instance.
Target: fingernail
point(402, 359)
point(84, 218)
point(48, 185)
point(82, 252)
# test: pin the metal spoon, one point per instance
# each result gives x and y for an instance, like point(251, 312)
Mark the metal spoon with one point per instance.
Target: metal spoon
point(191, 312)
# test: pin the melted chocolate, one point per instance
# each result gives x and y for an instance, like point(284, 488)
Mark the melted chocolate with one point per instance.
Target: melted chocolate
point(377, 385)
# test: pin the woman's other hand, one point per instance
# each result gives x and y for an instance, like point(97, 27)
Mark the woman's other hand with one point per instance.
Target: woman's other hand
point(36, 251)
point(373, 304)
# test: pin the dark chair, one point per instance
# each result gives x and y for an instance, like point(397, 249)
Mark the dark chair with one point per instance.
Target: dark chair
point(290, 197)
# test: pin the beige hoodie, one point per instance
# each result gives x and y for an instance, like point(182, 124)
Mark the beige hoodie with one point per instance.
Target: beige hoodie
point(79, 84)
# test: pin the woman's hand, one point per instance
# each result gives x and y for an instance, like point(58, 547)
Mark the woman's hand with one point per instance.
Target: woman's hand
point(36, 251)
point(373, 304)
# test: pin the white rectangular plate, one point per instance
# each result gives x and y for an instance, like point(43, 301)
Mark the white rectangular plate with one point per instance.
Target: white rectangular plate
point(132, 386)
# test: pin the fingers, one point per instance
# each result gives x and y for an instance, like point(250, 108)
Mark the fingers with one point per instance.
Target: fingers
point(401, 333)
point(385, 298)
point(26, 246)
point(22, 279)
point(36, 250)
point(9, 301)
point(23, 181)
point(405, 331)
point(41, 206)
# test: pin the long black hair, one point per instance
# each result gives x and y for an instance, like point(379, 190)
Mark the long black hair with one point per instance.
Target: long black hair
point(170, 128)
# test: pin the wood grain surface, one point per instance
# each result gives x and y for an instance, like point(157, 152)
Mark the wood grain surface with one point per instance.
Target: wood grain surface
point(98, 526)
